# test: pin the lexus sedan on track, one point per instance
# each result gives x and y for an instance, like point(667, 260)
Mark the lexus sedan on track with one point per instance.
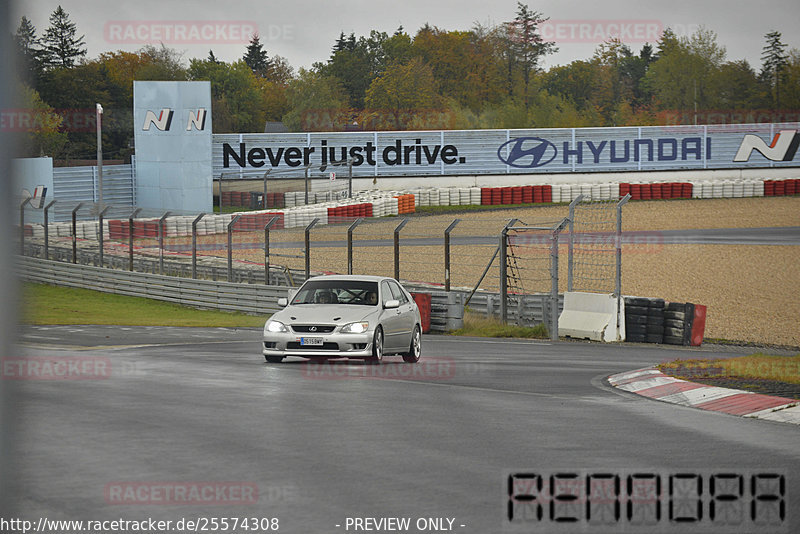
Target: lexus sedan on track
point(340, 316)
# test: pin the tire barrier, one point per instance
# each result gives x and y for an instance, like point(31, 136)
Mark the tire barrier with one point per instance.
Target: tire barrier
point(651, 320)
point(423, 301)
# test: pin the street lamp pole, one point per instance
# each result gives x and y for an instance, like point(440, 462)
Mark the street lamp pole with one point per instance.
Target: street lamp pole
point(99, 109)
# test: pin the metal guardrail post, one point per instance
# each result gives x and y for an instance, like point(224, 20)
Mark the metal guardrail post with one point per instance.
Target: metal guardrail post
point(75, 232)
point(447, 253)
point(47, 230)
point(397, 248)
point(131, 227)
point(161, 242)
point(22, 225)
point(350, 242)
point(234, 220)
point(308, 246)
point(194, 245)
point(267, 228)
point(100, 237)
point(571, 217)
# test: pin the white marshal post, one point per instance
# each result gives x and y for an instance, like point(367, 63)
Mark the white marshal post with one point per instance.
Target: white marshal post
point(99, 154)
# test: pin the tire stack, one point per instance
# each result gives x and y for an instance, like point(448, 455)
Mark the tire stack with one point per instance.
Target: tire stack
point(644, 320)
point(678, 317)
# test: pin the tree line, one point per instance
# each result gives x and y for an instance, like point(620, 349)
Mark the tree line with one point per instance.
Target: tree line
point(489, 76)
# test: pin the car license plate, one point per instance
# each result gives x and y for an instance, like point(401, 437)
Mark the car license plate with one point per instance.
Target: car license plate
point(311, 341)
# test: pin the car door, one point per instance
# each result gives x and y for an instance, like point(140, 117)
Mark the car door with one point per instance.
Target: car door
point(391, 319)
point(406, 318)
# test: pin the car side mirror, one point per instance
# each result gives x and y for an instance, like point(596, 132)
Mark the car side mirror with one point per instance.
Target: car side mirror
point(283, 302)
point(391, 304)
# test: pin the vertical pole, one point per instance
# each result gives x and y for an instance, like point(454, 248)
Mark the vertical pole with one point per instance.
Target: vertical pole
point(618, 255)
point(397, 248)
point(267, 228)
point(554, 285)
point(99, 122)
point(100, 237)
point(161, 242)
point(234, 220)
point(306, 188)
point(264, 204)
point(46, 230)
point(447, 253)
point(350, 178)
point(194, 245)
point(22, 225)
point(350, 244)
point(504, 275)
point(131, 227)
point(308, 246)
point(75, 232)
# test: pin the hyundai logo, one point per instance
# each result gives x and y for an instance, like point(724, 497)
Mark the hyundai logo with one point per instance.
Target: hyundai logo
point(527, 152)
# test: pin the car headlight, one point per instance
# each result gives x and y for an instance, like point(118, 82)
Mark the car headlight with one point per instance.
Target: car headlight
point(355, 328)
point(275, 327)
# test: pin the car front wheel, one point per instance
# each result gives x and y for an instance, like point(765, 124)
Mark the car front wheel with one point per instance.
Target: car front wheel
point(377, 347)
point(414, 351)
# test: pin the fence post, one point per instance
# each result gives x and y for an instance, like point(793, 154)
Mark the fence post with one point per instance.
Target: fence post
point(75, 232)
point(47, 230)
point(504, 275)
point(618, 253)
point(100, 238)
point(267, 228)
point(308, 245)
point(234, 220)
point(447, 253)
point(572, 205)
point(22, 225)
point(131, 225)
point(554, 280)
point(194, 245)
point(264, 204)
point(350, 242)
point(161, 242)
point(397, 248)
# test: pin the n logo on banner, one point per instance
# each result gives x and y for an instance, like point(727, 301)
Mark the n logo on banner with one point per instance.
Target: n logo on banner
point(196, 120)
point(161, 121)
point(783, 147)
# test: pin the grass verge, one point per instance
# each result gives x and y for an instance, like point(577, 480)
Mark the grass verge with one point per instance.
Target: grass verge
point(481, 326)
point(55, 305)
point(755, 366)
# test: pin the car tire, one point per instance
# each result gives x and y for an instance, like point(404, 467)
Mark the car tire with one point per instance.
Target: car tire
point(273, 359)
point(377, 347)
point(414, 351)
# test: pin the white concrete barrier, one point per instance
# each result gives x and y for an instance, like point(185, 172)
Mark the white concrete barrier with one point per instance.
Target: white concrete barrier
point(593, 316)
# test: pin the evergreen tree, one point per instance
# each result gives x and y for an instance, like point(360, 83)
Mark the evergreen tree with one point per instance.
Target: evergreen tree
point(61, 46)
point(29, 50)
point(527, 44)
point(211, 57)
point(256, 58)
point(774, 62)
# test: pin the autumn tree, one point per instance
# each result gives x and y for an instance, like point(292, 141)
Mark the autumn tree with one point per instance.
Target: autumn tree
point(316, 103)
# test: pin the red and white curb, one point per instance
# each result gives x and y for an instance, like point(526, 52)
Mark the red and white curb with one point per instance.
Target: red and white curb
point(652, 383)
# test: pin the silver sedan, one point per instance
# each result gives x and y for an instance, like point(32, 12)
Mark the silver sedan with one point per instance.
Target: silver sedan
point(340, 316)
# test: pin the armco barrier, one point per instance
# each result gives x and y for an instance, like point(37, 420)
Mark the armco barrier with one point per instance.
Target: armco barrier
point(590, 315)
point(446, 310)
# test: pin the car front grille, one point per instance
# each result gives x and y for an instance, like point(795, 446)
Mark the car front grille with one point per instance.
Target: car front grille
point(313, 328)
point(295, 345)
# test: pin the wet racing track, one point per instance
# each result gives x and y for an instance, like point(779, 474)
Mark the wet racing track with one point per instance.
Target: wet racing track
point(323, 443)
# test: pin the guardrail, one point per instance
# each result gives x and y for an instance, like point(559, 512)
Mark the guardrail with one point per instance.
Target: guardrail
point(447, 309)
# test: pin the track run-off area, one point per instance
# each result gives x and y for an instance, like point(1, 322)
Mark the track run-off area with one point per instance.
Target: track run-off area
point(158, 412)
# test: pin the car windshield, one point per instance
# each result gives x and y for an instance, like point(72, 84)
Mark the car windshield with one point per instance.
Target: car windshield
point(338, 292)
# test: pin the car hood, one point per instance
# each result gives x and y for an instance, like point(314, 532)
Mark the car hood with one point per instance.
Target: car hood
point(325, 314)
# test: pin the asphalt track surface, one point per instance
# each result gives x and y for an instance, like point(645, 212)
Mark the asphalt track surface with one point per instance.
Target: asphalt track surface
point(782, 235)
point(324, 443)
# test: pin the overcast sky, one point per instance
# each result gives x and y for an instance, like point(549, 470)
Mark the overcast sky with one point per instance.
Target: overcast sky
point(303, 31)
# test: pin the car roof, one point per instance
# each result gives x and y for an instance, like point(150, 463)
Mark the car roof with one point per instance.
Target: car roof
point(359, 277)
